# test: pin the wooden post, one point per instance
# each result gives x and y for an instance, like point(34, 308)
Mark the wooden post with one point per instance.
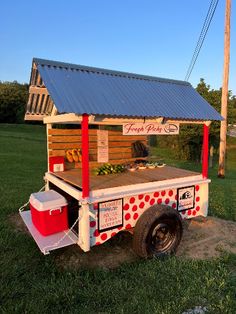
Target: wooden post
point(48, 127)
point(211, 156)
point(224, 99)
point(205, 151)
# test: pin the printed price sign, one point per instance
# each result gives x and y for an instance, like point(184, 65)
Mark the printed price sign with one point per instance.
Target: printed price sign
point(110, 214)
point(102, 146)
point(185, 198)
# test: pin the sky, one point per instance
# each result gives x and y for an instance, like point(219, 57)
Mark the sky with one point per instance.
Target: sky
point(150, 37)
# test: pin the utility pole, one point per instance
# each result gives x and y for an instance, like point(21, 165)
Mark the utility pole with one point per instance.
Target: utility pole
point(224, 98)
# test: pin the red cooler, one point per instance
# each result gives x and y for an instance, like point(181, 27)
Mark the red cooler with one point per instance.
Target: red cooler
point(49, 212)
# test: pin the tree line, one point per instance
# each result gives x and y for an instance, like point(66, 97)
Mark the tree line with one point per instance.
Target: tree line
point(13, 98)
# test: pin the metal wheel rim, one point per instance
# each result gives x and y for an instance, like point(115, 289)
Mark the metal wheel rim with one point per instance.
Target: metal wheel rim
point(161, 237)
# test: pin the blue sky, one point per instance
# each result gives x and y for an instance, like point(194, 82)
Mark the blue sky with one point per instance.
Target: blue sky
point(148, 37)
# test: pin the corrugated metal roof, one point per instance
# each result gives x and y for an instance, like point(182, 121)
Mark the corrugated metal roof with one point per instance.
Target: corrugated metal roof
point(80, 89)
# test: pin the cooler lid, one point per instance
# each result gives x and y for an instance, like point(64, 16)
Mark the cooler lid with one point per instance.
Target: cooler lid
point(47, 200)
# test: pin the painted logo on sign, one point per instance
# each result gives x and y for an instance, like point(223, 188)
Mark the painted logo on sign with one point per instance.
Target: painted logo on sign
point(185, 198)
point(150, 128)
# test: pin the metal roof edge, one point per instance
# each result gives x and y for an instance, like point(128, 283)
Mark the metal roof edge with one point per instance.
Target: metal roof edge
point(64, 65)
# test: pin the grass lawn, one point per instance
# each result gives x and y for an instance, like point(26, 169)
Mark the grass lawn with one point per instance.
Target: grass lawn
point(33, 283)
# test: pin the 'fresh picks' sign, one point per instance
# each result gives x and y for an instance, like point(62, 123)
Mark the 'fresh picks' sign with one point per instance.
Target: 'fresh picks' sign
point(150, 128)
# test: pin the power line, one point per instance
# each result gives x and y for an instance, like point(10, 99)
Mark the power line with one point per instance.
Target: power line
point(202, 36)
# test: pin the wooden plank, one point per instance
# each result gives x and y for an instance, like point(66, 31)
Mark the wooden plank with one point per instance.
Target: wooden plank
point(120, 150)
point(38, 90)
point(93, 148)
point(65, 132)
point(112, 134)
point(64, 138)
point(69, 138)
point(92, 143)
point(73, 176)
point(95, 164)
point(123, 156)
point(123, 138)
point(71, 144)
point(78, 131)
point(57, 153)
point(64, 145)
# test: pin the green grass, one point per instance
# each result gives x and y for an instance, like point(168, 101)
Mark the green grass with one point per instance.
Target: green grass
point(33, 283)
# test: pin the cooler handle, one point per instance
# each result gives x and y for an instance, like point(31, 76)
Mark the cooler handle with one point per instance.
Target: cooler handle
point(55, 211)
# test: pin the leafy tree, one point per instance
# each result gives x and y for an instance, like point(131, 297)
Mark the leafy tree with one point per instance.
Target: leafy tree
point(13, 98)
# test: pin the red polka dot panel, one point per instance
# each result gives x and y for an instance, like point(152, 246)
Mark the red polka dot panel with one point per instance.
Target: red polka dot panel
point(95, 206)
point(127, 216)
point(152, 201)
point(128, 226)
point(141, 205)
point(126, 207)
point(92, 224)
point(96, 233)
point(159, 201)
point(135, 205)
point(104, 236)
point(135, 216)
point(132, 200)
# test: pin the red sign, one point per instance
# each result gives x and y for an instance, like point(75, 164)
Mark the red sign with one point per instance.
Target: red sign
point(150, 128)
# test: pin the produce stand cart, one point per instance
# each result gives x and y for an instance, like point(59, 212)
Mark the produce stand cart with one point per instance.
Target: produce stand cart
point(104, 113)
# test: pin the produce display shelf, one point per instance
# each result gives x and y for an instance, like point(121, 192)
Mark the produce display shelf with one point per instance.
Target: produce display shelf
point(51, 242)
point(74, 177)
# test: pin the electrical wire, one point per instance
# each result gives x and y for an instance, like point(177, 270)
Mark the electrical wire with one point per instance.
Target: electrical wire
point(202, 36)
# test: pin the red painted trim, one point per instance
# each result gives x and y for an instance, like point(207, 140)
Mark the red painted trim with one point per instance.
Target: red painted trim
point(205, 151)
point(85, 156)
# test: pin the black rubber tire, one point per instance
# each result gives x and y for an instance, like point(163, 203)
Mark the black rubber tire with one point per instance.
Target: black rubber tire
point(158, 232)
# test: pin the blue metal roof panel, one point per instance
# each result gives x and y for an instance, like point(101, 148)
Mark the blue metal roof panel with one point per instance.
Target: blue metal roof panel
point(80, 89)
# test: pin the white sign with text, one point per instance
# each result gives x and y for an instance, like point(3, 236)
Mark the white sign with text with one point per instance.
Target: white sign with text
point(150, 128)
point(102, 146)
point(110, 214)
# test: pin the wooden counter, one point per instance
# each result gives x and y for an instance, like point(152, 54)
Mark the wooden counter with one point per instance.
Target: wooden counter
point(74, 177)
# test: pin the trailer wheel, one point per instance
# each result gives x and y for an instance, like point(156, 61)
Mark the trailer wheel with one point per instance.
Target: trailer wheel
point(158, 232)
